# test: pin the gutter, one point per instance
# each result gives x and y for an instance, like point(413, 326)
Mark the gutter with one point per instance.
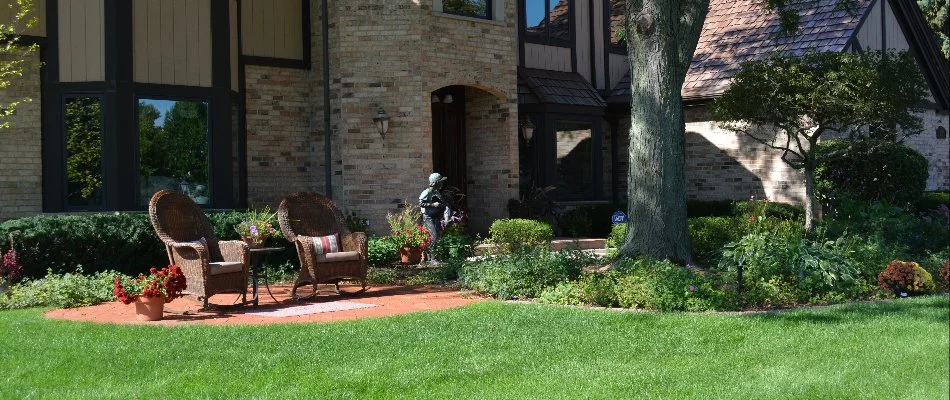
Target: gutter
point(327, 152)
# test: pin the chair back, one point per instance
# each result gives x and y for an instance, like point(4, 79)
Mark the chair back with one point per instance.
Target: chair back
point(309, 214)
point(176, 218)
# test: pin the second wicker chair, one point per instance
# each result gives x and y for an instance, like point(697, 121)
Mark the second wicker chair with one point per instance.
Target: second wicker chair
point(304, 216)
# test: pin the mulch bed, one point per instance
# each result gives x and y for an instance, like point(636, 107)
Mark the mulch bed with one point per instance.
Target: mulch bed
point(392, 300)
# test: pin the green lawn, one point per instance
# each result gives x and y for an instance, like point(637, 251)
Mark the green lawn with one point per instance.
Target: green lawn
point(898, 349)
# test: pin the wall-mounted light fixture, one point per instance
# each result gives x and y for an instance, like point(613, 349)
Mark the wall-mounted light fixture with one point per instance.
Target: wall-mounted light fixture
point(527, 129)
point(448, 99)
point(435, 98)
point(382, 122)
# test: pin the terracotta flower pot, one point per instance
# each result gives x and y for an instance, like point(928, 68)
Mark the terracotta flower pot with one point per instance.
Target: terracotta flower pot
point(254, 244)
point(410, 255)
point(149, 308)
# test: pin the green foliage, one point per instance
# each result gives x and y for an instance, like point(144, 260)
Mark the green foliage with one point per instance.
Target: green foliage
point(472, 8)
point(618, 234)
point(781, 267)
point(565, 293)
point(522, 274)
point(14, 54)
point(382, 252)
point(516, 234)
point(709, 234)
point(869, 170)
point(61, 291)
point(769, 209)
point(356, 223)
point(124, 242)
point(178, 148)
point(937, 14)
point(713, 208)
point(454, 247)
point(932, 200)
point(905, 235)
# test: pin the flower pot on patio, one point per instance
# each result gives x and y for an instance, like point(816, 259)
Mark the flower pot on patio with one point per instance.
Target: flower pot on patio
point(149, 308)
point(410, 255)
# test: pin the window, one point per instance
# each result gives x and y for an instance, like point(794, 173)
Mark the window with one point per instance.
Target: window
point(83, 135)
point(618, 34)
point(574, 166)
point(549, 20)
point(468, 8)
point(173, 148)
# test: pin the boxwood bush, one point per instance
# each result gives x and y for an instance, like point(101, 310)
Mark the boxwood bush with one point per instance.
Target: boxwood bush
point(123, 242)
point(869, 170)
point(516, 233)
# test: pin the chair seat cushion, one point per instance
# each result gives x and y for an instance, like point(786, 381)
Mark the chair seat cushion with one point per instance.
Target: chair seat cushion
point(339, 256)
point(224, 267)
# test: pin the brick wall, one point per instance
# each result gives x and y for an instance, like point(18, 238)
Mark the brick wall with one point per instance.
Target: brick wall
point(936, 150)
point(20, 148)
point(393, 54)
point(491, 164)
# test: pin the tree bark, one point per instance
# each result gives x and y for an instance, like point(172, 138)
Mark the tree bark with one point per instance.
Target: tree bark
point(661, 38)
point(811, 206)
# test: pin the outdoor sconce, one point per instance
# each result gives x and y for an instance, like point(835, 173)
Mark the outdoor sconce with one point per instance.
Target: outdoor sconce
point(527, 130)
point(382, 122)
point(448, 99)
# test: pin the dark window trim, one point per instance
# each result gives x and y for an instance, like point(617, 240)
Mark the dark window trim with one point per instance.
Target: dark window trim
point(209, 135)
point(64, 138)
point(488, 12)
point(275, 62)
point(546, 38)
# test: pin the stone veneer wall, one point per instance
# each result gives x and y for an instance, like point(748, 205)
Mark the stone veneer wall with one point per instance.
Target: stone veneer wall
point(21, 167)
point(282, 155)
point(936, 150)
point(392, 55)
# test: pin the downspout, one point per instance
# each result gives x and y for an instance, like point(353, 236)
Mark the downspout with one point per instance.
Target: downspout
point(328, 170)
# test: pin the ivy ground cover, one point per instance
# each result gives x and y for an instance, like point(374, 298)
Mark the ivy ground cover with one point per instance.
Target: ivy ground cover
point(892, 349)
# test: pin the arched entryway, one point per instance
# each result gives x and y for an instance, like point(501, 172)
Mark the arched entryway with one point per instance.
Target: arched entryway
point(474, 144)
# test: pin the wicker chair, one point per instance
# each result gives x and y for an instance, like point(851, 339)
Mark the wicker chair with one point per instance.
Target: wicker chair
point(303, 216)
point(221, 267)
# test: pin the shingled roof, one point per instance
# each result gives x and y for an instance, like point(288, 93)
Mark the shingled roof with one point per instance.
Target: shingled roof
point(555, 87)
point(736, 31)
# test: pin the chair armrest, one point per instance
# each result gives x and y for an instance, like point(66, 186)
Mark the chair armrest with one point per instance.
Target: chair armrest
point(355, 241)
point(235, 251)
point(191, 257)
point(306, 253)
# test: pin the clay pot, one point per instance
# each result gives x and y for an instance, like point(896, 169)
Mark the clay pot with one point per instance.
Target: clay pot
point(149, 308)
point(410, 255)
point(254, 244)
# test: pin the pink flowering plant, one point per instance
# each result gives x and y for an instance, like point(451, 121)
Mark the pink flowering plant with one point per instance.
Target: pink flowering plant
point(10, 267)
point(405, 229)
point(258, 226)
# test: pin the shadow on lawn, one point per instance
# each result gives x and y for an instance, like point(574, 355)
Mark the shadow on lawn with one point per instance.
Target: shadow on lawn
point(930, 311)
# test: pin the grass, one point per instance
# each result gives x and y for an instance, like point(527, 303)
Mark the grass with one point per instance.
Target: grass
point(896, 349)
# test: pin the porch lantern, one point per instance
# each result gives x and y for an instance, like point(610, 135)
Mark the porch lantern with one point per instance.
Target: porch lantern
point(382, 121)
point(527, 130)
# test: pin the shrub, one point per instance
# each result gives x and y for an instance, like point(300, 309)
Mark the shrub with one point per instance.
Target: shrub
point(891, 226)
point(382, 252)
point(587, 220)
point(663, 286)
point(869, 170)
point(523, 274)
point(514, 234)
point(715, 208)
point(123, 242)
point(932, 200)
point(564, 293)
point(709, 234)
point(945, 274)
point(768, 209)
point(771, 262)
point(454, 247)
point(906, 277)
point(618, 234)
point(61, 291)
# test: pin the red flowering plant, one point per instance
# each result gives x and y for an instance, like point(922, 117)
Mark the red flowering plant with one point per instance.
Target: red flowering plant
point(906, 278)
point(404, 228)
point(10, 267)
point(166, 282)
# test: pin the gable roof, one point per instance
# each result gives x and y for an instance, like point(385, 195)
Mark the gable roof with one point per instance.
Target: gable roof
point(555, 87)
point(736, 31)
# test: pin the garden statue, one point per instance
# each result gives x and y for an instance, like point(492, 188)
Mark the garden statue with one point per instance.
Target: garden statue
point(435, 211)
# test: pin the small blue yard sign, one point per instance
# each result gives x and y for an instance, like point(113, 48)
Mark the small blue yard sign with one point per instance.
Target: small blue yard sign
point(619, 218)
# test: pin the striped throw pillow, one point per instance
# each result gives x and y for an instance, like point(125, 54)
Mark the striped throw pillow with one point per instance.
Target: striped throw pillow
point(326, 244)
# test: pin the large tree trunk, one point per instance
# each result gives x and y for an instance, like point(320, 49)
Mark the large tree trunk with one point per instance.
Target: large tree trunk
point(661, 38)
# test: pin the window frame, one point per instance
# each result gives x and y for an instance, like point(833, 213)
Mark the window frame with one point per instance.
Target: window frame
point(546, 38)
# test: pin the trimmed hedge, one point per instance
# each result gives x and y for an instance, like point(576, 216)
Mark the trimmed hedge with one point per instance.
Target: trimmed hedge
point(869, 170)
point(515, 234)
point(122, 242)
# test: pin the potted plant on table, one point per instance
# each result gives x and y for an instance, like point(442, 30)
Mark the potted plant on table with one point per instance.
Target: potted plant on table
point(151, 292)
point(406, 233)
point(257, 227)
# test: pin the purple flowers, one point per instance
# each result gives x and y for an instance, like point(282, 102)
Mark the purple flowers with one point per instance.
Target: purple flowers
point(254, 230)
point(692, 288)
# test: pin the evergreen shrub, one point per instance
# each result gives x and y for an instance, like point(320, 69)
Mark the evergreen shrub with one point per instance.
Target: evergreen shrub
point(869, 170)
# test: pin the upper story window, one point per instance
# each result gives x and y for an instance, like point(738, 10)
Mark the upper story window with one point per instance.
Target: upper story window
point(618, 36)
point(548, 20)
point(468, 8)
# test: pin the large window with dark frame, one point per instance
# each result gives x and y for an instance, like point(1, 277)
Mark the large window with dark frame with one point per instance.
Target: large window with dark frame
point(468, 8)
point(173, 148)
point(574, 160)
point(547, 20)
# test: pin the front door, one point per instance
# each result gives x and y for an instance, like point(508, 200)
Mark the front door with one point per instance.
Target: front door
point(448, 139)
